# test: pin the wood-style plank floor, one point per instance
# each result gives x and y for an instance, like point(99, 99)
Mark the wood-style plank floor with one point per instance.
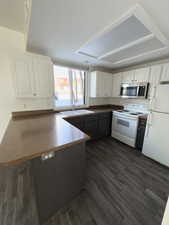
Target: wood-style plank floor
point(122, 188)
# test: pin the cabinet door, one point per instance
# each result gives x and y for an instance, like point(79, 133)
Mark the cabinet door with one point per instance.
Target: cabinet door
point(96, 84)
point(99, 84)
point(24, 78)
point(117, 79)
point(165, 73)
point(107, 84)
point(104, 124)
point(91, 126)
point(142, 75)
point(128, 76)
point(43, 78)
point(154, 80)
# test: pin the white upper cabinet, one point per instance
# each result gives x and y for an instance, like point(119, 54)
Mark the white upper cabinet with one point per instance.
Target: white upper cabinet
point(165, 73)
point(155, 74)
point(128, 76)
point(133, 76)
point(107, 85)
point(142, 75)
point(95, 84)
point(117, 79)
point(43, 70)
point(100, 84)
point(33, 77)
point(24, 82)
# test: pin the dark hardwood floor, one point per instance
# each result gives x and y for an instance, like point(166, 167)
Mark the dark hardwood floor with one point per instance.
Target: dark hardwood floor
point(17, 200)
point(122, 188)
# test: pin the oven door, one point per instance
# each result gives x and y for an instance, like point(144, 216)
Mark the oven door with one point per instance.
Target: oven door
point(129, 90)
point(125, 129)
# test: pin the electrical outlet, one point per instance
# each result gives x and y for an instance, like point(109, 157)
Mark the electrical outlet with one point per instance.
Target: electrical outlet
point(47, 156)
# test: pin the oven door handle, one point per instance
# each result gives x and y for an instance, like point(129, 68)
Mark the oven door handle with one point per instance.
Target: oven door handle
point(138, 87)
point(149, 124)
point(124, 118)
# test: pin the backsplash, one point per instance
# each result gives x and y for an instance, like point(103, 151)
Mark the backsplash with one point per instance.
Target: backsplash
point(137, 107)
point(98, 101)
point(121, 101)
point(116, 101)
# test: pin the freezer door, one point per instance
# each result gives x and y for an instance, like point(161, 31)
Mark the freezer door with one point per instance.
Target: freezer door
point(161, 99)
point(156, 141)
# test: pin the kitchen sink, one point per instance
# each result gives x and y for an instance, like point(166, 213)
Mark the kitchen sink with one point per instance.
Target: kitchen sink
point(77, 112)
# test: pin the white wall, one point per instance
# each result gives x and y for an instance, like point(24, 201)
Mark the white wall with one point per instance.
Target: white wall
point(98, 101)
point(12, 44)
point(120, 101)
point(6, 93)
point(115, 101)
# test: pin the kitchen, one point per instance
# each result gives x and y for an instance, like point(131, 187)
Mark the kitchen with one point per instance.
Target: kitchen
point(84, 118)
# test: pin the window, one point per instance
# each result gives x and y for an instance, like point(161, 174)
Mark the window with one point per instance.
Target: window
point(69, 87)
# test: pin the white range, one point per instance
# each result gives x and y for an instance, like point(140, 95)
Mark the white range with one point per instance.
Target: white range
point(125, 123)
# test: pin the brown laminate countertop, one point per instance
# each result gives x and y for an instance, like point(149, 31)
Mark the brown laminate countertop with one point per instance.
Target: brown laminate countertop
point(28, 137)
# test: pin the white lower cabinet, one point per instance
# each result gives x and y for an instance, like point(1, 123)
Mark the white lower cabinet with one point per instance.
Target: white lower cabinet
point(117, 79)
point(33, 77)
point(100, 84)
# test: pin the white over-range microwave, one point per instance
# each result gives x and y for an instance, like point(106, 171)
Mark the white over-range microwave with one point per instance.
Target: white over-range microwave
point(134, 90)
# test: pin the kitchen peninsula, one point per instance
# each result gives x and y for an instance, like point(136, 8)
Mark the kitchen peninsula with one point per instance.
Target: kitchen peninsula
point(56, 150)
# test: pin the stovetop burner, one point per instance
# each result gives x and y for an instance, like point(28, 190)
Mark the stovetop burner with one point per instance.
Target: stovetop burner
point(136, 113)
point(130, 113)
point(123, 110)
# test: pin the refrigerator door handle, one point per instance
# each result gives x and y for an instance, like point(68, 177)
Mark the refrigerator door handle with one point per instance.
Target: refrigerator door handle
point(149, 123)
point(147, 130)
point(153, 100)
point(155, 89)
point(150, 118)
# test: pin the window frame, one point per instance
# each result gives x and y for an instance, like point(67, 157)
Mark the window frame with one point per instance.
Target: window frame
point(86, 92)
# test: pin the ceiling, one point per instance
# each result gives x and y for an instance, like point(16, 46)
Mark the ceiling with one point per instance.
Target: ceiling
point(59, 28)
point(12, 14)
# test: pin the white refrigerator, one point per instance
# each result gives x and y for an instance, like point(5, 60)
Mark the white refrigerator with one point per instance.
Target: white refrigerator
point(156, 141)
